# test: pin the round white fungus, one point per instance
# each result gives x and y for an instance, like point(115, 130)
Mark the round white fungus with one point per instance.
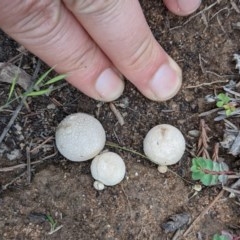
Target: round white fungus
point(80, 137)
point(108, 168)
point(164, 145)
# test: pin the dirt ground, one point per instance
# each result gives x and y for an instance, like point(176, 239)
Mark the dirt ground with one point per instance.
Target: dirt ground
point(203, 44)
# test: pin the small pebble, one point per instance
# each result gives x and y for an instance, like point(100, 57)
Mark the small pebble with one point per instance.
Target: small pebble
point(194, 133)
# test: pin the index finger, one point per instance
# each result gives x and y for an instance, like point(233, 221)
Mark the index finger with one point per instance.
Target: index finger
point(121, 31)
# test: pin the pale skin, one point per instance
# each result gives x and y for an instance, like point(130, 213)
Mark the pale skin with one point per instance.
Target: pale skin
point(96, 42)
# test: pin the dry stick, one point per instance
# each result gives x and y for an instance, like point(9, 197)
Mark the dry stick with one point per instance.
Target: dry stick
point(39, 146)
point(204, 10)
point(117, 114)
point(28, 165)
point(4, 187)
point(204, 212)
point(204, 114)
point(201, 64)
point(222, 76)
point(231, 190)
point(18, 109)
point(208, 83)
point(235, 7)
point(23, 165)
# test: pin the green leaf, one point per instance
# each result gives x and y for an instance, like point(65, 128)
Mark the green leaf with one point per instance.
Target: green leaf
point(38, 93)
point(220, 237)
point(223, 97)
point(40, 80)
point(208, 172)
point(197, 175)
point(14, 81)
point(220, 104)
point(55, 79)
point(228, 112)
point(209, 180)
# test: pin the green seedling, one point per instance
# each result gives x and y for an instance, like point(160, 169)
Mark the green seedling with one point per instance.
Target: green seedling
point(12, 87)
point(224, 101)
point(209, 172)
point(220, 237)
point(39, 88)
point(52, 222)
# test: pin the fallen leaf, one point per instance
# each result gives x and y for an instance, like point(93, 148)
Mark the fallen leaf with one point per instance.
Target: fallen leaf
point(8, 72)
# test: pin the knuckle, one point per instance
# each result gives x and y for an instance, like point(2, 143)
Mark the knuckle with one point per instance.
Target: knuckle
point(30, 15)
point(141, 53)
point(83, 59)
point(100, 7)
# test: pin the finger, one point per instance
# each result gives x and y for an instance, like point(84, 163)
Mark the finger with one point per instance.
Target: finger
point(182, 7)
point(120, 29)
point(50, 31)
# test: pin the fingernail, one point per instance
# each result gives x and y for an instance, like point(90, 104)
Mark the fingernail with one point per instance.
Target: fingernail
point(109, 85)
point(167, 81)
point(188, 6)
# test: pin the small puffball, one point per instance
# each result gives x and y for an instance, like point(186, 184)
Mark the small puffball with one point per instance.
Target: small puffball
point(162, 169)
point(108, 168)
point(164, 144)
point(80, 137)
point(98, 185)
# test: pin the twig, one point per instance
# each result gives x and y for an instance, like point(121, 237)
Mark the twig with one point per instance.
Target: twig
point(199, 13)
point(231, 190)
point(110, 144)
point(207, 83)
point(203, 213)
point(200, 62)
point(4, 187)
point(39, 146)
point(221, 76)
point(235, 7)
point(177, 234)
point(28, 164)
point(117, 114)
point(215, 155)
point(209, 112)
point(23, 165)
point(129, 205)
point(16, 112)
point(231, 91)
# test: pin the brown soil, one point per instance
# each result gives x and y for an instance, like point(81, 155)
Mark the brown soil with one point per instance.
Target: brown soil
point(203, 45)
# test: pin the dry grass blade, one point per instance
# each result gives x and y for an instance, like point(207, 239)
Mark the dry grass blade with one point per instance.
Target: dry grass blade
point(16, 112)
point(117, 114)
point(203, 213)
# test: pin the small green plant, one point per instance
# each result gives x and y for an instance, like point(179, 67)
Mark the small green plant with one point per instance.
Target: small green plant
point(224, 101)
point(12, 87)
point(209, 172)
point(220, 237)
point(39, 88)
point(51, 221)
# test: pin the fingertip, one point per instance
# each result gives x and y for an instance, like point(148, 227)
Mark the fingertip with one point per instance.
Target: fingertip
point(182, 7)
point(109, 85)
point(167, 81)
point(105, 86)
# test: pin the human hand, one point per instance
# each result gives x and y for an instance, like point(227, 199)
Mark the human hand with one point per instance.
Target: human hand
point(93, 41)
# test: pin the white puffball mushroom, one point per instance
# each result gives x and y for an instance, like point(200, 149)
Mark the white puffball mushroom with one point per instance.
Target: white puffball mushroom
point(80, 137)
point(108, 168)
point(164, 145)
point(162, 168)
point(98, 185)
